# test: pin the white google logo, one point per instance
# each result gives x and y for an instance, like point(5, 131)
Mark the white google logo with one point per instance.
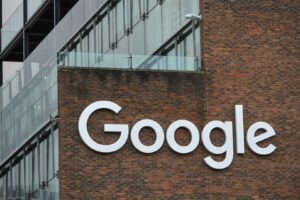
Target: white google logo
point(227, 128)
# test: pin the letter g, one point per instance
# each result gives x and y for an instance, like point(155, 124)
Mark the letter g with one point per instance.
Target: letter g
point(83, 132)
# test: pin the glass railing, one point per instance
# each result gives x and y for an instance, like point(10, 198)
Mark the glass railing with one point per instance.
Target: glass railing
point(124, 61)
point(33, 6)
point(12, 26)
point(28, 110)
point(27, 100)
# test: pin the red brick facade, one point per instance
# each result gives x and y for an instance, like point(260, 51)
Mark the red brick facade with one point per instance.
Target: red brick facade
point(250, 56)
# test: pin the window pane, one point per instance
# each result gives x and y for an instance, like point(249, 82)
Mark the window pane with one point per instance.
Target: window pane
point(171, 16)
point(119, 13)
point(104, 33)
point(151, 4)
point(36, 170)
point(153, 38)
point(28, 161)
point(136, 11)
point(138, 39)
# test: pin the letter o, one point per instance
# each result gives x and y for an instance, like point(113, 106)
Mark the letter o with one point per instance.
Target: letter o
point(195, 138)
point(135, 132)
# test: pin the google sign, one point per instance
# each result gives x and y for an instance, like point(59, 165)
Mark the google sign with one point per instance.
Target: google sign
point(226, 127)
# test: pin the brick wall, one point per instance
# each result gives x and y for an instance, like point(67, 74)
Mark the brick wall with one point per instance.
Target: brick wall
point(250, 55)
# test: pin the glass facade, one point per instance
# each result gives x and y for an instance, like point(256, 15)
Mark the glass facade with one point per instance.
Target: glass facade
point(33, 174)
point(29, 110)
point(125, 34)
point(15, 22)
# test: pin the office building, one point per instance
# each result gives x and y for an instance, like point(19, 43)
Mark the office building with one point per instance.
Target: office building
point(162, 61)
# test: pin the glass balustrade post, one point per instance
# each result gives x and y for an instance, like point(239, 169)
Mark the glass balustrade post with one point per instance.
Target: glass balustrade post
point(130, 57)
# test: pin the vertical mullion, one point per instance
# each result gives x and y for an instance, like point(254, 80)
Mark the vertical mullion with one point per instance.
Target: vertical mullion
point(124, 14)
point(10, 191)
point(140, 9)
point(101, 38)
point(6, 185)
point(95, 41)
point(116, 25)
point(47, 160)
point(176, 51)
point(38, 160)
point(24, 162)
point(53, 151)
point(19, 181)
point(194, 44)
point(108, 24)
point(75, 54)
point(81, 53)
point(131, 14)
point(32, 173)
point(87, 48)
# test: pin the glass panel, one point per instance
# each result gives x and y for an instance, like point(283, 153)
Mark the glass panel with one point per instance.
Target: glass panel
point(137, 39)
point(84, 50)
point(12, 26)
point(119, 13)
point(32, 6)
point(105, 39)
point(29, 174)
point(6, 95)
point(154, 38)
point(56, 151)
point(98, 42)
point(22, 179)
point(151, 4)
point(35, 169)
point(136, 11)
point(9, 185)
point(14, 86)
point(92, 47)
point(15, 181)
point(51, 172)
point(170, 18)
point(52, 192)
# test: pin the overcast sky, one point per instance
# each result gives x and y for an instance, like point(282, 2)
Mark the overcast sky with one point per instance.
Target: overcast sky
point(9, 6)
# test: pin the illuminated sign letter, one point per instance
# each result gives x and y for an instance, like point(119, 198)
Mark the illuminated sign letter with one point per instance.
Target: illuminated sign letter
point(135, 132)
point(121, 128)
point(194, 136)
point(227, 147)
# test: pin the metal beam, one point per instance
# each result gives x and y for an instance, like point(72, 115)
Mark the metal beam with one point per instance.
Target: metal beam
point(57, 11)
point(25, 34)
point(25, 44)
